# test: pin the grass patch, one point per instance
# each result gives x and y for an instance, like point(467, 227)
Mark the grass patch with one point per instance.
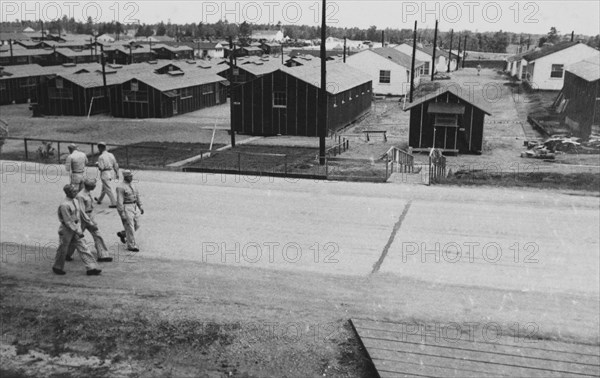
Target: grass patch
point(541, 180)
point(157, 154)
point(139, 155)
point(140, 334)
point(248, 158)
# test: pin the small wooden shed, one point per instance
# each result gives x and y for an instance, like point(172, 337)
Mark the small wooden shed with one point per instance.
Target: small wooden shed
point(448, 120)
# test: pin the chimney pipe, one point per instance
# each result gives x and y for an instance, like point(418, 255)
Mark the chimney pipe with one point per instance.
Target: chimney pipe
point(10, 43)
point(382, 38)
point(572, 35)
point(412, 67)
point(344, 49)
point(450, 50)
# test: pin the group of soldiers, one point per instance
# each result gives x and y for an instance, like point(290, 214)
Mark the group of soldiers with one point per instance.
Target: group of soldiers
point(76, 212)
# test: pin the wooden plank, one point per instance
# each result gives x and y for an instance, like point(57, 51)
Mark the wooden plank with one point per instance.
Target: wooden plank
point(461, 364)
point(401, 351)
point(589, 354)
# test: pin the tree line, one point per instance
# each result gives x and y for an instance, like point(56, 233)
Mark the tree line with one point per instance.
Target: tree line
point(497, 41)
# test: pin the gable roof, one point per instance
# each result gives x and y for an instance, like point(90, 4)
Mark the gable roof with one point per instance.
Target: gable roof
point(251, 48)
point(259, 66)
point(544, 51)
point(167, 82)
point(455, 92)
point(428, 50)
point(588, 69)
point(518, 56)
point(208, 45)
point(341, 75)
point(171, 48)
point(23, 70)
point(396, 56)
point(26, 52)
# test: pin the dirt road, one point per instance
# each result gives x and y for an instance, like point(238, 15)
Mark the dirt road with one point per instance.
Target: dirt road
point(236, 262)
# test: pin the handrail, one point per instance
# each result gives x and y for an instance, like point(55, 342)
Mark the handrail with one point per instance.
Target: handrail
point(405, 160)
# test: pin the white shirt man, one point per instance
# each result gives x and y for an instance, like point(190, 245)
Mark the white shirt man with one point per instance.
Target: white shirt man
point(75, 164)
point(107, 164)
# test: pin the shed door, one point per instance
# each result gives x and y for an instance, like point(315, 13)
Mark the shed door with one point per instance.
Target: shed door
point(175, 111)
point(445, 124)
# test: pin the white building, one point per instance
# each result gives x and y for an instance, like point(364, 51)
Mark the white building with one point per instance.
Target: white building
point(389, 69)
point(210, 50)
point(545, 67)
point(425, 54)
point(106, 38)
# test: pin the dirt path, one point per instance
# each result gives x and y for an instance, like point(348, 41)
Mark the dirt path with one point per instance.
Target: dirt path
point(174, 310)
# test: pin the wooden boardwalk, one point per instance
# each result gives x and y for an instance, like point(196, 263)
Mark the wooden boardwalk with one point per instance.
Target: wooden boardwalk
point(437, 350)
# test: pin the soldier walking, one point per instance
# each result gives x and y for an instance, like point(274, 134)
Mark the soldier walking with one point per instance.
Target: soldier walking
point(86, 205)
point(75, 164)
point(107, 164)
point(70, 232)
point(129, 207)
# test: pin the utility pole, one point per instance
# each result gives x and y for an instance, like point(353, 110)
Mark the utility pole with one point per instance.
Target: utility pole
point(344, 49)
point(231, 104)
point(520, 50)
point(103, 62)
point(42, 26)
point(464, 52)
point(434, 48)
point(450, 51)
point(322, 108)
point(412, 67)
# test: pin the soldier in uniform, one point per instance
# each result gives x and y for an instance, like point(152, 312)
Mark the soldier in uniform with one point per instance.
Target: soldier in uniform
point(75, 164)
point(129, 207)
point(70, 233)
point(107, 164)
point(86, 205)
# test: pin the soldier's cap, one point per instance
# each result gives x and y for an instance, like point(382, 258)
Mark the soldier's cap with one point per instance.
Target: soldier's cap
point(127, 173)
point(89, 182)
point(102, 144)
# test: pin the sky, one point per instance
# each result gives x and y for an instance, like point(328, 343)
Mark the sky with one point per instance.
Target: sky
point(532, 17)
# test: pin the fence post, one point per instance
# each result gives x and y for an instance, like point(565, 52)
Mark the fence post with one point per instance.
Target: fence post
point(26, 153)
point(58, 152)
point(387, 165)
point(429, 181)
point(239, 162)
point(127, 156)
point(92, 146)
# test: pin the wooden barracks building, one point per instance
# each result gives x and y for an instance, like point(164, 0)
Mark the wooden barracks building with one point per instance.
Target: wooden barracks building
point(447, 120)
point(285, 102)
